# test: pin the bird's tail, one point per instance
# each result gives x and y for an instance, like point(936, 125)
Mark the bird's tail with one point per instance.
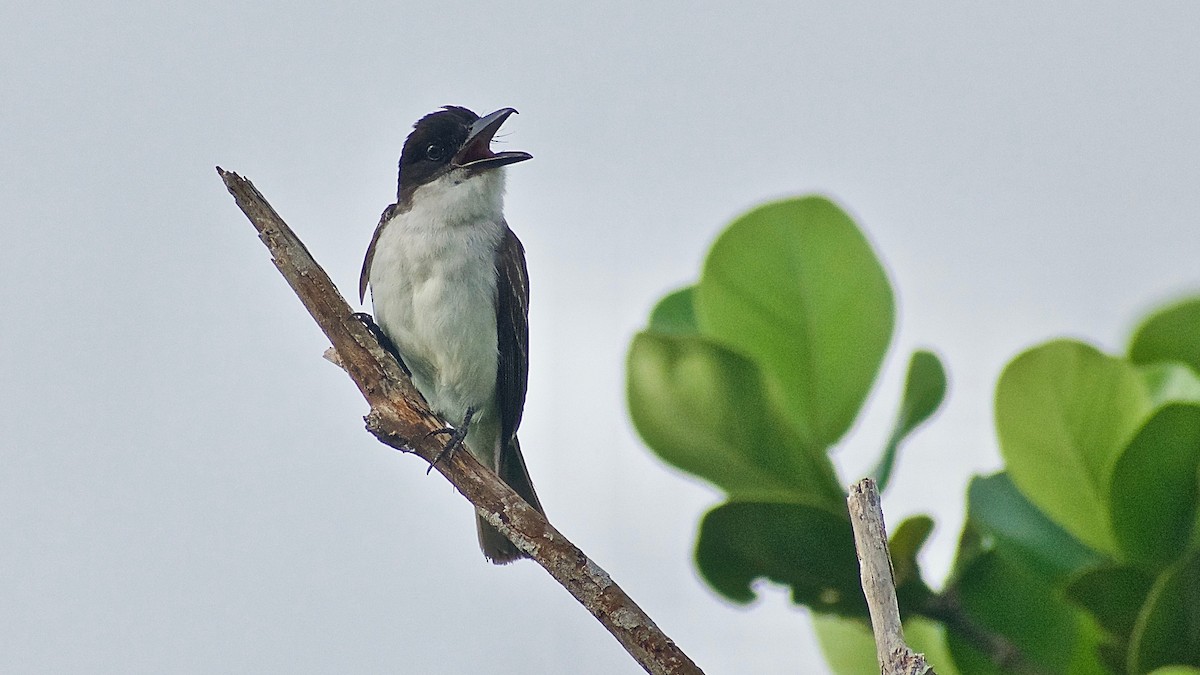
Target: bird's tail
point(496, 546)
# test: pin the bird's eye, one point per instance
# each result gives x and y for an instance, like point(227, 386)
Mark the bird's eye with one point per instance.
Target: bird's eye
point(435, 153)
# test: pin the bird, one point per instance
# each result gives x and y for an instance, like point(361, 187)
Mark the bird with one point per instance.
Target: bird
point(450, 291)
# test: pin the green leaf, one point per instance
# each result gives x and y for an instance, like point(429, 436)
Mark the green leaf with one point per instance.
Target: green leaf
point(702, 408)
point(849, 647)
point(1154, 491)
point(675, 314)
point(1005, 597)
point(904, 546)
point(1171, 334)
point(1176, 670)
point(1089, 657)
point(795, 286)
point(1064, 413)
point(1171, 382)
point(847, 644)
point(971, 544)
point(929, 638)
point(924, 389)
point(1167, 632)
point(807, 548)
point(1113, 595)
point(1016, 528)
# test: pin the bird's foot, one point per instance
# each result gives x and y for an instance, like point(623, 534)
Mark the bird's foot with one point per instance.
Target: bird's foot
point(384, 341)
point(457, 436)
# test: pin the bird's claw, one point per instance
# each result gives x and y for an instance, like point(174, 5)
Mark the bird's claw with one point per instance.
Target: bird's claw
point(457, 436)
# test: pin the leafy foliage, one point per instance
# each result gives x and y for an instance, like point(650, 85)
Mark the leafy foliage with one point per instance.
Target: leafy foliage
point(748, 377)
point(1015, 527)
point(904, 545)
point(1082, 556)
point(1064, 412)
point(705, 409)
point(1154, 488)
point(808, 548)
point(999, 592)
point(794, 286)
point(1113, 595)
point(850, 649)
point(1167, 631)
point(924, 389)
point(1169, 335)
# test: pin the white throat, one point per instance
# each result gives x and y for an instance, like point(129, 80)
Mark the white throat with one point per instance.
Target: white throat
point(458, 198)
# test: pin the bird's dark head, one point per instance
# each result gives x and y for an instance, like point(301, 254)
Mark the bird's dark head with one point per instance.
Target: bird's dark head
point(452, 139)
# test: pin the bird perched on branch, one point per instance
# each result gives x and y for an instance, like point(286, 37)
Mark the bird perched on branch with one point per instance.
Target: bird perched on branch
point(450, 291)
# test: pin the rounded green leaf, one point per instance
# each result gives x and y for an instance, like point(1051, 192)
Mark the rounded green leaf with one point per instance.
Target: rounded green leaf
point(999, 511)
point(1171, 334)
point(675, 314)
point(702, 408)
point(1064, 413)
point(810, 549)
point(1176, 670)
point(1154, 491)
point(795, 286)
point(1167, 632)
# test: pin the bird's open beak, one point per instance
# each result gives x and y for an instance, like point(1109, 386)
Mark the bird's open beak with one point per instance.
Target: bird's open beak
point(476, 152)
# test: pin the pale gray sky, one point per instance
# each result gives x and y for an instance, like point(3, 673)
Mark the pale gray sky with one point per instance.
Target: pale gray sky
point(186, 487)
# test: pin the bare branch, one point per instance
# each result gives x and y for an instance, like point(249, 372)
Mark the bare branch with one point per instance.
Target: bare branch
point(400, 419)
point(879, 585)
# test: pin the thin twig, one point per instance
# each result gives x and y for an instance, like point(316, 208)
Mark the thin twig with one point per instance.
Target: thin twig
point(399, 418)
point(879, 585)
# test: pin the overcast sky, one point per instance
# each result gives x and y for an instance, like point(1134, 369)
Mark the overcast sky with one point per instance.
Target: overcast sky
point(186, 487)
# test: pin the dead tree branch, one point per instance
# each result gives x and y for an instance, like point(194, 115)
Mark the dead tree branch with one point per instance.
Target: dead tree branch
point(398, 418)
point(879, 585)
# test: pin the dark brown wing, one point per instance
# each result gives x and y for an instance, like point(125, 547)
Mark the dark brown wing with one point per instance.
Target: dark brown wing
point(512, 373)
point(512, 332)
point(365, 276)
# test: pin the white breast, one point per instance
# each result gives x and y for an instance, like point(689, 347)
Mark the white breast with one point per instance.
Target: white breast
point(433, 292)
